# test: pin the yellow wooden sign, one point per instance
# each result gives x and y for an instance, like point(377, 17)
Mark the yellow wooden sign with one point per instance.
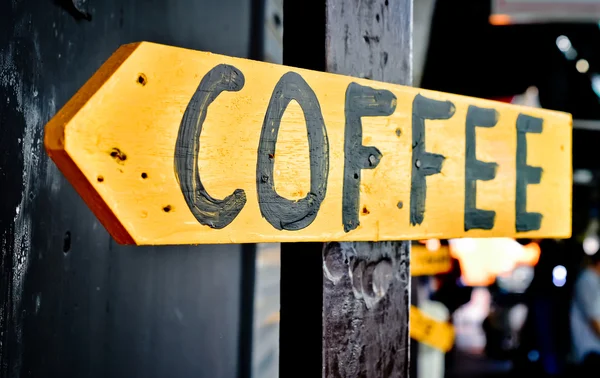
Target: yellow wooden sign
point(426, 330)
point(173, 146)
point(424, 262)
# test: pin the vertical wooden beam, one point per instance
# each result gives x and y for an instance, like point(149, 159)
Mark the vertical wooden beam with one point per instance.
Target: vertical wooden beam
point(345, 306)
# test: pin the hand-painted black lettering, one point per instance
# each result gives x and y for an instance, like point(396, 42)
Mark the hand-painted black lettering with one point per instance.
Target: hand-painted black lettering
point(280, 212)
point(424, 163)
point(360, 102)
point(477, 170)
point(208, 211)
point(526, 174)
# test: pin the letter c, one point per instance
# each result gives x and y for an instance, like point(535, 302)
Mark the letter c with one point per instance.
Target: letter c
point(209, 211)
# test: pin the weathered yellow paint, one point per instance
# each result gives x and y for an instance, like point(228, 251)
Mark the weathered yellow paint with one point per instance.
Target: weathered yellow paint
point(424, 262)
point(426, 330)
point(133, 106)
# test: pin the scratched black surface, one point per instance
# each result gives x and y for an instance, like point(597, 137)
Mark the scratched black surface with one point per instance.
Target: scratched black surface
point(344, 338)
point(97, 309)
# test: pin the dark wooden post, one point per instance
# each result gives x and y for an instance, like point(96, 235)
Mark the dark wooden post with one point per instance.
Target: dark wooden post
point(345, 306)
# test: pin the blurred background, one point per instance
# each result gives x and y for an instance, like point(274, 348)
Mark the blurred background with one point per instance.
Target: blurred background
point(71, 302)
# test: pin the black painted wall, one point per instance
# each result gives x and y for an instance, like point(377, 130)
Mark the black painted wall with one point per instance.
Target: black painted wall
point(72, 302)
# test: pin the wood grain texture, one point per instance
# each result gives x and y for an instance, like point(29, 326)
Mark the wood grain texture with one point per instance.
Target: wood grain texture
point(127, 141)
point(365, 309)
point(372, 39)
point(353, 328)
point(361, 338)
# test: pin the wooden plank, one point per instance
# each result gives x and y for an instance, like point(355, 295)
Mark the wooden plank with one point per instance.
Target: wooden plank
point(365, 309)
point(174, 146)
point(360, 334)
point(425, 329)
point(367, 335)
point(424, 262)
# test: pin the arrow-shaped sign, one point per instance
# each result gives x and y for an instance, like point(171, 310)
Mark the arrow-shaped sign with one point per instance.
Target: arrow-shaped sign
point(173, 146)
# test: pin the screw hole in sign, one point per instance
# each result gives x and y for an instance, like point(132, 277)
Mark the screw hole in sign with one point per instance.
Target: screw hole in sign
point(118, 155)
point(142, 79)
